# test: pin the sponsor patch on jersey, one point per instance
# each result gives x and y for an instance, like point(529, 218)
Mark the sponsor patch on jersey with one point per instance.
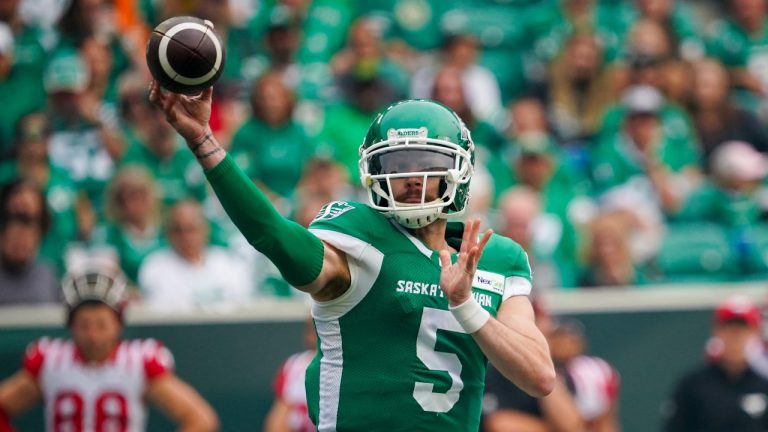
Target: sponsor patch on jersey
point(333, 210)
point(488, 281)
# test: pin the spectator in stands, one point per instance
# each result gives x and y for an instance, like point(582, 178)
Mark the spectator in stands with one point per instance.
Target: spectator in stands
point(24, 220)
point(460, 50)
point(544, 236)
point(731, 197)
point(650, 58)
point(640, 167)
point(610, 261)
point(18, 75)
point(133, 212)
point(282, 40)
point(87, 21)
point(96, 380)
point(450, 89)
point(102, 84)
point(716, 117)
point(362, 97)
point(289, 411)
point(725, 394)
point(83, 142)
point(271, 146)
point(324, 179)
point(578, 81)
point(365, 57)
point(161, 151)
point(678, 22)
point(738, 41)
point(31, 163)
point(190, 273)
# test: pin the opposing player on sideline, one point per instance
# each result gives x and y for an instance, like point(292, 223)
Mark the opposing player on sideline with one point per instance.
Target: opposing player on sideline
point(97, 381)
point(407, 307)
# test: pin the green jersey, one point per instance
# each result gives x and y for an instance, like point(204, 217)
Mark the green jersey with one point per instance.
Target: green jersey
point(391, 356)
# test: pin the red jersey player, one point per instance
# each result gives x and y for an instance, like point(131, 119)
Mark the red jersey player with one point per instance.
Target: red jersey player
point(96, 381)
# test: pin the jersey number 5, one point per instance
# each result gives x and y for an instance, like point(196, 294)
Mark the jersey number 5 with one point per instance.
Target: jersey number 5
point(433, 320)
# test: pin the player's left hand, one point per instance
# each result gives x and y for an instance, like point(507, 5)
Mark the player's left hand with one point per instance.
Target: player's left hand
point(456, 278)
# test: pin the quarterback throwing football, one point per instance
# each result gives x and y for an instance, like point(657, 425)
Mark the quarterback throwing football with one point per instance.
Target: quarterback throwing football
point(407, 307)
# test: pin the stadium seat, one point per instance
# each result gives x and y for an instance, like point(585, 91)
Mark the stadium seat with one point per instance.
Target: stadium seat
point(696, 252)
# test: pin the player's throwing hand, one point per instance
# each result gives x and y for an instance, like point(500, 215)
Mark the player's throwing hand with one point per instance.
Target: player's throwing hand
point(456, 279)
point(189, 115)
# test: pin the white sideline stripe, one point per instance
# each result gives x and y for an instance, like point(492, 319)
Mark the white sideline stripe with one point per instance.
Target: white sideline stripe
point(331, 366)
point(638, 299)
point(651, 298)
point(137, 314)
point(364, 267)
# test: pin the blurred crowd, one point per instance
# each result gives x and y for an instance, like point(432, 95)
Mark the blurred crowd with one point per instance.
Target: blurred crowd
point(621, 142)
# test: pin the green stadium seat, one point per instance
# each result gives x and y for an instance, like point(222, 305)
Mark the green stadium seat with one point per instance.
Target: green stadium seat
point(696, 252)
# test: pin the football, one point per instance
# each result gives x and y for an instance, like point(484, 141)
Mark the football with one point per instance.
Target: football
point(184, 55)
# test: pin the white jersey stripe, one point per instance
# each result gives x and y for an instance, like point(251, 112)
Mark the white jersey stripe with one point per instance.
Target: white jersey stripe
point(331, 365)
point(364, 267)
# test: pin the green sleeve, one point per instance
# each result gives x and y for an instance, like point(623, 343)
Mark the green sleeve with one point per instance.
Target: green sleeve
point(296, 252)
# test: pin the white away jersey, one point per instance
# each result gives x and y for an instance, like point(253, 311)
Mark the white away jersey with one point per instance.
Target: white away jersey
point(89, 397)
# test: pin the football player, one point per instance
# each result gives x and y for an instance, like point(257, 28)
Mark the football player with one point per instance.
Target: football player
point(97, 381)
point(407, 308)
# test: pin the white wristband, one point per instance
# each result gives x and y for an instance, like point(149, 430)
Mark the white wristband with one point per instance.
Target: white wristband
point(470, 315)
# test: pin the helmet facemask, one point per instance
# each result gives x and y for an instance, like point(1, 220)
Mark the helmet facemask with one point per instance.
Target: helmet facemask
point(410, 154)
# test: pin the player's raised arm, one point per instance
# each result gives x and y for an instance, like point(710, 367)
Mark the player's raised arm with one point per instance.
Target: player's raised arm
point(304, 260)
point(511, 341)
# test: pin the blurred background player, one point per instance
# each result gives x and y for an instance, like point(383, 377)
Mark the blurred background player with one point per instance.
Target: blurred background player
point(726, 393)
point(289, 411)
point(585, 398)
point(97, 381)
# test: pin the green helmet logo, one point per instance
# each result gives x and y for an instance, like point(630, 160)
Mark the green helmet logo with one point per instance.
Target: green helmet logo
point(416, 163)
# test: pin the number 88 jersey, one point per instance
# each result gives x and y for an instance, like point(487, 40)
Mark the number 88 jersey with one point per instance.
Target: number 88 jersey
point(391, 356)
point(104, 397)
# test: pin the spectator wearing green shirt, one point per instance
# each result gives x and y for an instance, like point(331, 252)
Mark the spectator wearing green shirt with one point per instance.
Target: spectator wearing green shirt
point(86, 21)
point(85, 144)
point(733, 199)
point(271, 147)
point(740, 41)
point(21, 90)
point(640, 172)
point(365, 57)
point(134, 226)
point(344, 122)
point(161, 152)
point(732, 196)
point(31, 163)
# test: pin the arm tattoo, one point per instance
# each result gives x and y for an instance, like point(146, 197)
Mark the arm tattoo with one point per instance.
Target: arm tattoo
point(199, 142)
point(205, 155)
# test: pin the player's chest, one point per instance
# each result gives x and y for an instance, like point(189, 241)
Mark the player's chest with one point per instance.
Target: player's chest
point(412, 282)
point(92, 382)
